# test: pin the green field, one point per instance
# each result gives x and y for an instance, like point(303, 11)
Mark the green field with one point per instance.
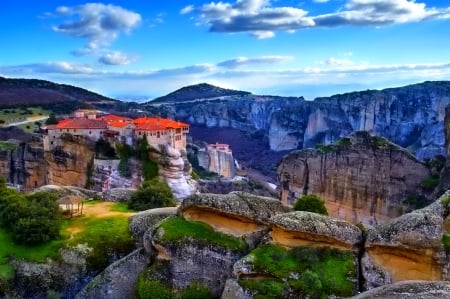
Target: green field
point(100, 233)
point(20, 114)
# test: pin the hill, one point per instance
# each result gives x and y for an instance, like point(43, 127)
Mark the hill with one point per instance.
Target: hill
point(33, 92)
point(198, 91)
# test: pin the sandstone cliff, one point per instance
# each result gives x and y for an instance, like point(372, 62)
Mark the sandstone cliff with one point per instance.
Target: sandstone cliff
point(361, 178)
point(217, 160)
point(68, 164)
point(23, 164)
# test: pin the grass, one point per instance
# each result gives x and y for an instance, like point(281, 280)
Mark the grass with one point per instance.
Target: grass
point(7, 146)
point(30, 253)
point(103, 234)
point(330, 271)
point(121, 207)
point(20, 114)
point(177, 229)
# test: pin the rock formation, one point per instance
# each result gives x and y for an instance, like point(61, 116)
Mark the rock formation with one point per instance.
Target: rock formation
point(217, 158)
point(69, 164)
point(245, 246)
point(174, 169)
point(361, 178)
point(409, 247)
point(411, 116)
point(22, 164)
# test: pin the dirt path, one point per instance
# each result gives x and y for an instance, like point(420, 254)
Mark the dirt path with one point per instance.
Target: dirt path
point(102, 210)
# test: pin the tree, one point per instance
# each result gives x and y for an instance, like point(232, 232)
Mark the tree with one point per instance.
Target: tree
point(311, 203)
point(153, 194)
point(51, 120)
point(32, 219)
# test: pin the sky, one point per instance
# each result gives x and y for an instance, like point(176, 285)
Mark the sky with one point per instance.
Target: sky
point(148, 48)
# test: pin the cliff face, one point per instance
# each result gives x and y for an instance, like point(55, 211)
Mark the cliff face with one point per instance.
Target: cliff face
point(411, 116)
point(174, 169)
point(218, 161)
point(23, 164)
point(361, 178)
point(68, 165)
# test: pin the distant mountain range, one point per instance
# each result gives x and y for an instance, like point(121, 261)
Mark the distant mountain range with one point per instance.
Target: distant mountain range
point(32, 92)
point(198, 91)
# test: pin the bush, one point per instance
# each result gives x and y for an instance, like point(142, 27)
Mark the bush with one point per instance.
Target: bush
point(152, 289)
point(32, 219)
point(311, 203)
point(430, 182)
point(196, 290)
point(153, 194)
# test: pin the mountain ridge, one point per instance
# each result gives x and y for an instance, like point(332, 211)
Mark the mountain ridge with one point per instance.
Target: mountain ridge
point(197, 91)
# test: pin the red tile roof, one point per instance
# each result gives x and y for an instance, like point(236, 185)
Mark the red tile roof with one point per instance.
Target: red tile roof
point(117, 124)
point(81, 123)
point(157, 123)
point(116, 118)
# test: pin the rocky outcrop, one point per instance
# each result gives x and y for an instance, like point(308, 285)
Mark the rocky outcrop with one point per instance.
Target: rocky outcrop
point(70, 163)
point(409, 247)
point(310, 229)
point(409, 289)
point(362, 178)
point(217, 158)
point(117, 281)
point(143, 221)
point(236, 213)
point(22, 164)
point(174, 169)
point(223, 186)
point(117, 194)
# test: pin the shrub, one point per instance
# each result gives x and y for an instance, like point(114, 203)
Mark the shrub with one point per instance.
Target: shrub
point(152, 289)
point(124, 168)
point(32, 219)
point(446, 242)
point(311, 284)
point(430, 182)
point(311, 203)
point(153, 194)
point(196, 290)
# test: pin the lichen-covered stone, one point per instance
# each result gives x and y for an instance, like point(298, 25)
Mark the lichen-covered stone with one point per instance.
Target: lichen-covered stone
point(306, 228)
point(233, 290)
point(142, 221)
point(409, 247)
point(239, 204)
point(410, 290)
point(117, 281)
point(236, 213)
point(117, 194)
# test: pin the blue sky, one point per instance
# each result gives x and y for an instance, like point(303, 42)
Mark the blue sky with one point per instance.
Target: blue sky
point(303, 48)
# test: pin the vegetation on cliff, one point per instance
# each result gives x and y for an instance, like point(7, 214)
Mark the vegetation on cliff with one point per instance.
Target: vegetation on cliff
point(316, 272)
point(176, 229)
point(311, 203)
point(153, 194)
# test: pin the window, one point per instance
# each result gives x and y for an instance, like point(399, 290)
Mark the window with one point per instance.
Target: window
point(51, 142)
point(67, 130)
point(157, 134)
point(90, 132)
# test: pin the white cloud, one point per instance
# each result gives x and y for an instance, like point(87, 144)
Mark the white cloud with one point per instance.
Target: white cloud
point(244, 61)
point(60, 67)
point(97, 23)
point(261, 19)
point(116, 58)
point(187, 9)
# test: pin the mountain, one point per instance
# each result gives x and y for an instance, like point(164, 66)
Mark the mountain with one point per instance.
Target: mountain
point(31, 92)
point(198, 91)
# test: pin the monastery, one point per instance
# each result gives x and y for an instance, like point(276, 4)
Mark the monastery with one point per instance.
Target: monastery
point(158, 130)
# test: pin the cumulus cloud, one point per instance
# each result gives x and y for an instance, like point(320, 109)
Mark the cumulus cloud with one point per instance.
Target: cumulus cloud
point(97, 23)
point(116, 58)
point(261, 19)
point(244, 61)
point(256, 17)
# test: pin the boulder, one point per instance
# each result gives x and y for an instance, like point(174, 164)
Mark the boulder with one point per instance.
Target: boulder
point(236, 213)
point(410, 290)
point(302, 228)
